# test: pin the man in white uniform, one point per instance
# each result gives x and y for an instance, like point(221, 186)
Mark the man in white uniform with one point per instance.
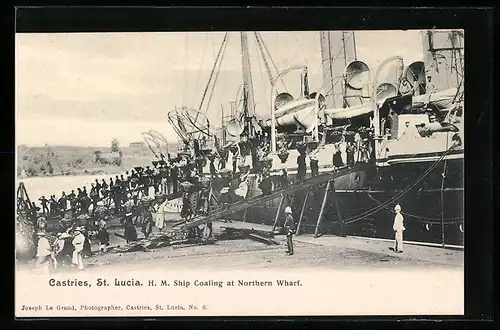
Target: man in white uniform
point(44, 252)
point(398, 229)
point(78, 244)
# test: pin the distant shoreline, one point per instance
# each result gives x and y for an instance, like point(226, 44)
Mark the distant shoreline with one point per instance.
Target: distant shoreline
point(57, 161)
point(74, 173)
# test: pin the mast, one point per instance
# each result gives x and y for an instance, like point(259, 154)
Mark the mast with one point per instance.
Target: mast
point(338, 49)
point(443, 58)
point(247, 82)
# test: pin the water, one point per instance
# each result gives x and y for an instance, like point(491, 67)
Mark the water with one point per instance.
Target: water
point(55, 185)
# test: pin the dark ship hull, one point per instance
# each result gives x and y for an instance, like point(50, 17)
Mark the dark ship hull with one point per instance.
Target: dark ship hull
point(362, 203)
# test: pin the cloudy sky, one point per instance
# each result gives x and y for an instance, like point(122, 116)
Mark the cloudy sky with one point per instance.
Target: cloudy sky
point(87, 88)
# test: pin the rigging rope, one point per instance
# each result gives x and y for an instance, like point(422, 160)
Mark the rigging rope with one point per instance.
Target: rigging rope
point(271, 59)
point(269, 73)
point(213, 86)
point(184, 91)
point(262, 75)
point(201, 65)
point(333, 60)
point(211, 73)
point(423, 219)
point(399, 195)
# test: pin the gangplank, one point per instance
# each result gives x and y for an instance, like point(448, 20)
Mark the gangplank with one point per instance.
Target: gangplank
point(249, 202)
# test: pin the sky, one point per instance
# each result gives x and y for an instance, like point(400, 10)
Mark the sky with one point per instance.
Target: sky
point(84, 89)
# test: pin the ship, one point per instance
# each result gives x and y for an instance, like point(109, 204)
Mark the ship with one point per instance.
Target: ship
point(407, 116)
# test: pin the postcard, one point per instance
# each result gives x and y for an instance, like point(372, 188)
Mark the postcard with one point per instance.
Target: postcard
point(250, 173)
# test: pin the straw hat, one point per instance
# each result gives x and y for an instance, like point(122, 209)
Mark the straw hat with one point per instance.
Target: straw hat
point(41, 233)
point(288, 209)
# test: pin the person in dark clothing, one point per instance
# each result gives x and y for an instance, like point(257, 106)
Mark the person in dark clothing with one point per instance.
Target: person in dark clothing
point(87, 248)
point(196, 147)
point(223, 159)
point(313, 162)
point(290, 230)
point(72, 201)
point(44, 203)
point(235, 163)
point(125, 183)
point(63, 203)
point(53, 204)
point(130, 231)
point(118, 182)
point(147, 226)
point(104, 185)
point(94, 197)
point(97, 186)
point(117, 199)
point(265, 185)
point(213, 171)
point(92, 188)
point(174, 174)
point(103, 238)
point(34, 209)
point(301, 163)
point(186, 211)
point(284, 179)
point(255, 160)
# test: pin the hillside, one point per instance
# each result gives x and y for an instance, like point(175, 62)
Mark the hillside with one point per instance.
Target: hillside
point(70, 160)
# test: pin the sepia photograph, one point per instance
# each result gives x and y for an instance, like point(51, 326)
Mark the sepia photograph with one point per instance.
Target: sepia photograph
point(242, 173)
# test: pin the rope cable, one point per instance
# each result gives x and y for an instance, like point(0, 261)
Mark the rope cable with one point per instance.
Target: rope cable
point(215, 79)
point(400, 194)
point(262, 74)
point(184, 91)
point(410, 215)
point(211, 73)
point(272, 62)
point(268, 69)
point(201, 65)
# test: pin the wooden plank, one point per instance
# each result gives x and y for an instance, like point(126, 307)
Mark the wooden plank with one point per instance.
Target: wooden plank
point(238, 206)
point(205, 242)
point(278, 211)
point(179, 223)
point(320, 216)
point(181, 241)
point(302, 211)
point(232, 230)
point(261, 239)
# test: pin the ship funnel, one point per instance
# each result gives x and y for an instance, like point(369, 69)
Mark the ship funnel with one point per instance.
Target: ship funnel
point(357, 75)
point(235, 127)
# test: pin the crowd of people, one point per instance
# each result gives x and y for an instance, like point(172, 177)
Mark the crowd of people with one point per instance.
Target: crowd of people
point(171, 175)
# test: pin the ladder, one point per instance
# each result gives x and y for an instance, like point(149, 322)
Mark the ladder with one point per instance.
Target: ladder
point(249, 202)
